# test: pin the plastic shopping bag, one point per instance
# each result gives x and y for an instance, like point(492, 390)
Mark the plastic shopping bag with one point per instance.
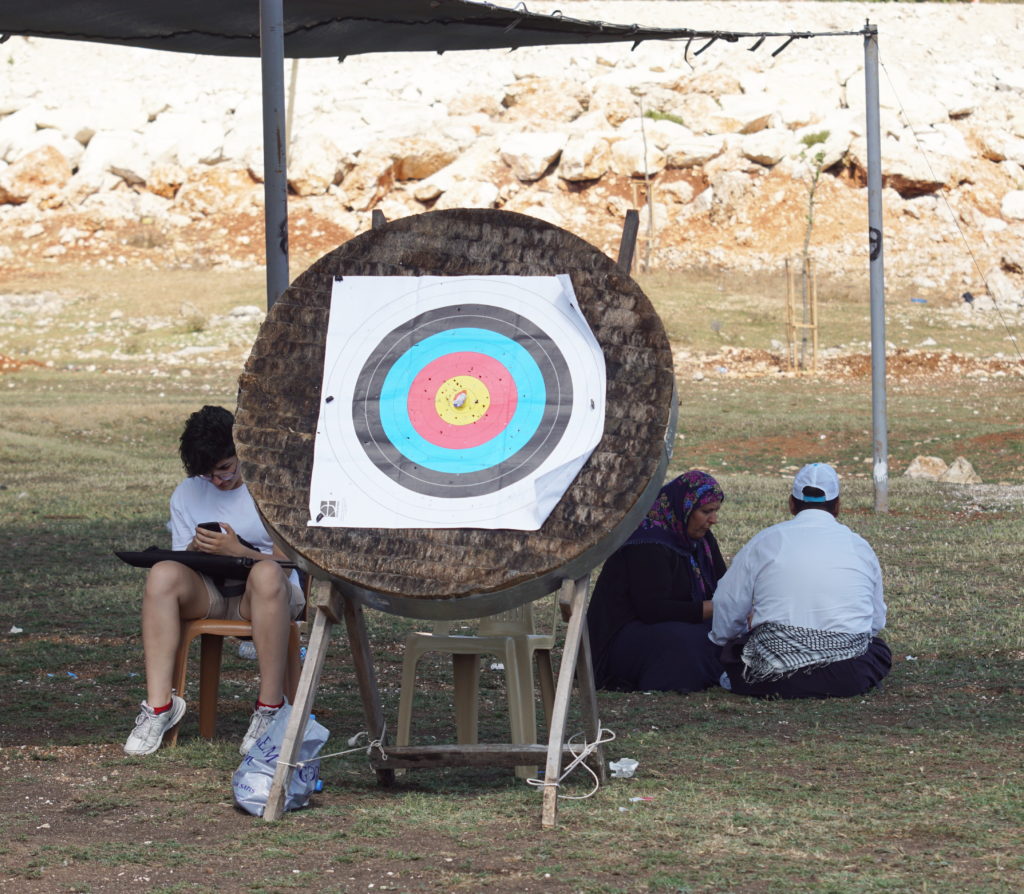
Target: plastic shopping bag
point(252, 779)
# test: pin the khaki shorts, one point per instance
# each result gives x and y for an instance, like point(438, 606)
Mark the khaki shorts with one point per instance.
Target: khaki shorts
point(225, 608)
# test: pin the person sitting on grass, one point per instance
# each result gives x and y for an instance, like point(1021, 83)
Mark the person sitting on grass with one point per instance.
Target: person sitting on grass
point(269, 598)
point(652, 606)
point(799, 611)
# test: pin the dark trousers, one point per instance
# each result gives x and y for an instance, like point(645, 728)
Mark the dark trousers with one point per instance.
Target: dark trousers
point(669, 657)
point(841, 679)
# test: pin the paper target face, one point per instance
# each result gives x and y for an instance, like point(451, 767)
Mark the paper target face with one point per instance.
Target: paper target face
point(454, 402)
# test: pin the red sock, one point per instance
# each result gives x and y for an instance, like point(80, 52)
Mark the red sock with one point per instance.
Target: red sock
point(260, 704)
point(166, 707)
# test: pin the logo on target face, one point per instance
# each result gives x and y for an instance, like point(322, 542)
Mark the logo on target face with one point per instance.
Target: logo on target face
point(454, 401)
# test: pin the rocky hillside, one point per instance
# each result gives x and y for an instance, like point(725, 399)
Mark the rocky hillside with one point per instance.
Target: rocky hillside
point(112, 156)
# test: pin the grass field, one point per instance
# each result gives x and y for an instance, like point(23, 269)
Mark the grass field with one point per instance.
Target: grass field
point(912, 789)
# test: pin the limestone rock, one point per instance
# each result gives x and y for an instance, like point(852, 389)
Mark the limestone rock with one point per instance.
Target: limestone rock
point(409, 129)
point(531, 154)
point(615, 102)
point(119, 152)
point(689, 152)
point(47, 136)
point(767, 147)
point(369, 181)
point(960, 472)
point(418, 158)
point(184, 139)
point(838, 130)
point(694, 110)
point(906, 170)
point(217, 189)
point(469, 194)
point(633, 158)
point(1012, 205)
point(16, 128)
point(38, 175)
point(537, 99)
point(741, 114)
point(929, 467)
point(166, 179)
point(585, 157)
point(998, 145)
point(678, 191)
point(313, 165)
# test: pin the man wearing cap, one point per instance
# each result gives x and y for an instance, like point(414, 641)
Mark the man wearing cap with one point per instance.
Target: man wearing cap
point(799, 611)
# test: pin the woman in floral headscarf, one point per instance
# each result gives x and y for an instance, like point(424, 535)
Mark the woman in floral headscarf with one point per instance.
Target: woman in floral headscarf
point(650, 614)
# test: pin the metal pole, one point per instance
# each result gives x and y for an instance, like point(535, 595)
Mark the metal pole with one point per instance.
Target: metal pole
point(880, 467)
point(275, 167)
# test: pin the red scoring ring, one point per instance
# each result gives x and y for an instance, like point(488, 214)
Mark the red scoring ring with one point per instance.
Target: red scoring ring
point(423, 392)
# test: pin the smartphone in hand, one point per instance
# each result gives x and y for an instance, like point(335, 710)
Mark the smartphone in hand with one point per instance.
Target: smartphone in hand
point(210, 526)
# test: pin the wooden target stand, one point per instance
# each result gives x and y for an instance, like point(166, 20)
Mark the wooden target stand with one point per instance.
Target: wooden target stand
point(457, 573)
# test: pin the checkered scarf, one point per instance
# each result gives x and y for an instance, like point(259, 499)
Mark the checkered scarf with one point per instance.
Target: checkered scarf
point(775, 651)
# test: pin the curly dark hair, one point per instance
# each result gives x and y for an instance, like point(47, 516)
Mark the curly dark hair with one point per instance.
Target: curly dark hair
point(206, 440)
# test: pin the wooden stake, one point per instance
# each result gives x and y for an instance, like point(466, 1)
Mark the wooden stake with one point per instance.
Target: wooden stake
point(579, 591)
point(812, 285)
point(316, 652)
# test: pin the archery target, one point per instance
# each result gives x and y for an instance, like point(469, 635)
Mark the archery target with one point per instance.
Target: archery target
point(454, 402)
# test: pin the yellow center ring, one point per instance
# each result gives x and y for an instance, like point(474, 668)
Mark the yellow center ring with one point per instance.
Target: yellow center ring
point(462, 400)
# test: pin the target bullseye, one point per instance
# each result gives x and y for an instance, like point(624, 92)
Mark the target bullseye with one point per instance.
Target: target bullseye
point(487, 406)
point(462, 400)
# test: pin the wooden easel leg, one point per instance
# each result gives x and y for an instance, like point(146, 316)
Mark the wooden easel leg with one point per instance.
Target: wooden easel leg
point(316, 652)
point(566, 672)
point(363, 660)
point(587, 691)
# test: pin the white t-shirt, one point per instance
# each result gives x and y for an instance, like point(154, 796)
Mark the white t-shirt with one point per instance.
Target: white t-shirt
point(196, 500)
point(810, 571)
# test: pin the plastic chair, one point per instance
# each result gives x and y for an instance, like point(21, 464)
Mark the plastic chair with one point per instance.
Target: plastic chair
point(511, 637)
point(211, 647)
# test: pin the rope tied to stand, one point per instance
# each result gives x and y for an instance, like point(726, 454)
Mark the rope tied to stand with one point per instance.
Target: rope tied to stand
point(355, 741)
point(580, 753)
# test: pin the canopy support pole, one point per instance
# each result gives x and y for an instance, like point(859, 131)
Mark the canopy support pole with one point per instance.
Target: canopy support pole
point(880, 465)
point(275, 166)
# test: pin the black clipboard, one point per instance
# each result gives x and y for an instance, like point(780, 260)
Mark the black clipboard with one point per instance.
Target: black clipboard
point(229, 567)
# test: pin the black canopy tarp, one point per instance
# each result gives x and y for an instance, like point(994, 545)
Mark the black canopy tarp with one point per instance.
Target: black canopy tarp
point(315, 27)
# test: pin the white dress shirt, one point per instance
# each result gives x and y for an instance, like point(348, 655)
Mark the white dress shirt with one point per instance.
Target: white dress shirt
point(810, 571)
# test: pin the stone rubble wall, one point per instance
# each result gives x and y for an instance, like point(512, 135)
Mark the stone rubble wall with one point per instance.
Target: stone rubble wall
point(725, 142)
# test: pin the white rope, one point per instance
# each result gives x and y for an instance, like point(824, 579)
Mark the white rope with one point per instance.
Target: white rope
point(367, 749)
point(580, 754)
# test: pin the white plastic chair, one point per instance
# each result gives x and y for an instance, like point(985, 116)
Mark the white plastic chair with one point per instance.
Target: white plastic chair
point(510, 636)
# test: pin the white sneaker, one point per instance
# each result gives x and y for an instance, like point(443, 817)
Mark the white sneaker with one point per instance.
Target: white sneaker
point(150, 727)
point(258, 723)
point(247, 649)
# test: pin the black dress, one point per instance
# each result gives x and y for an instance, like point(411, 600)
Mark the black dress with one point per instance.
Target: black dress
point(646, 624)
